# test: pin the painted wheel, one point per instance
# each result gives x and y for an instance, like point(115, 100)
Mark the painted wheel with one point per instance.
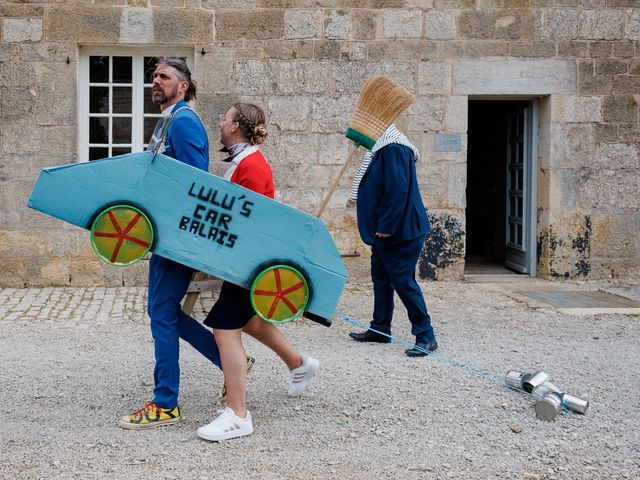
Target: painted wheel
point(121, 235)
point(279, 294)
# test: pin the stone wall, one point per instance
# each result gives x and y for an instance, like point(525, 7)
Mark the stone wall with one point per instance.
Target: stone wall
point(305, 61)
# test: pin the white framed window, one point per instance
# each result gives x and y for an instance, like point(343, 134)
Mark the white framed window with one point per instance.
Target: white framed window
point(115, 111)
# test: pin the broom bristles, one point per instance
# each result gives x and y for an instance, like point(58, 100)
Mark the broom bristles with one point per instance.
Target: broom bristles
point(381, 102)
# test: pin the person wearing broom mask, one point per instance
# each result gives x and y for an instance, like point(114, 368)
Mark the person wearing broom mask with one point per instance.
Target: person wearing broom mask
point(242, 129)
point(392, 219)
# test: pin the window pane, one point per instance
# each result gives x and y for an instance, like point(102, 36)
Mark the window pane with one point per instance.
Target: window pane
point(122, 70)
point(512, 233)
point(98, 130)
point(122, 130)
point(519, 242)
point(520, 178)
point(149, 66)
point(149, 125)
point(120, 150)
point(121, 99)
point(98, 99)
point(520, 152)
point(96, 153)
point(98, 69)
point(512, 205)
point(519, 207)
point(149, 106)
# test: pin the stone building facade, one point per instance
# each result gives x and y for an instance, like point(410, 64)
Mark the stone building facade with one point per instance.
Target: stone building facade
point(526, 116)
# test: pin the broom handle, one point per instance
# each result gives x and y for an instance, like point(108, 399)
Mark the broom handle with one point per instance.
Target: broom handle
point(325, 202)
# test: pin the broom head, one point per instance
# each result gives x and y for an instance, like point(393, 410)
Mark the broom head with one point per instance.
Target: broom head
point(381, 101)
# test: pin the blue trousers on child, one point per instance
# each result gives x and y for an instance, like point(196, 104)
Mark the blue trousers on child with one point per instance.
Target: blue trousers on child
point(168, 282)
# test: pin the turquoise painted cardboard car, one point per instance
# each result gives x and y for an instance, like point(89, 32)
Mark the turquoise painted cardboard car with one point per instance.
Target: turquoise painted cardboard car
point(139, 202)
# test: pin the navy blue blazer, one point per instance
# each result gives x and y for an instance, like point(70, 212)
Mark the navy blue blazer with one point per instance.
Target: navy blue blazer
point(389, 199)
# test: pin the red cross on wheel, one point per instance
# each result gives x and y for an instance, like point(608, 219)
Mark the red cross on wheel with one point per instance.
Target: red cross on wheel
point(121, 235)
point(279, 294)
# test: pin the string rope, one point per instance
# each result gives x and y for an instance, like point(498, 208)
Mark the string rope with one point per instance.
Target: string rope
point(470, 368)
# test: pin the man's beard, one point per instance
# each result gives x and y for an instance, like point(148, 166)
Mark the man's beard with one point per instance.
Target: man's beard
point(159, 97)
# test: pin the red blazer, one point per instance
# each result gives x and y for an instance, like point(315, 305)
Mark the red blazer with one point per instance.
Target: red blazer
point(253, 172)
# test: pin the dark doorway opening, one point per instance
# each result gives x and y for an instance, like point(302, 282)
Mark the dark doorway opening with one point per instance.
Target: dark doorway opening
point(488, 194)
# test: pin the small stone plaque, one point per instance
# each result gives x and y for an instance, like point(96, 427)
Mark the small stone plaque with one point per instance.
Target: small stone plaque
point(448, 142)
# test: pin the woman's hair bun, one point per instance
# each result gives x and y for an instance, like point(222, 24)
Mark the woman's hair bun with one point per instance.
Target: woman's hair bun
point(259, 134)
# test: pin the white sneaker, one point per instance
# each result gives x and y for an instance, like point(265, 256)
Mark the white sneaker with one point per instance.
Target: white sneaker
point(227, 425)
point(299, 377)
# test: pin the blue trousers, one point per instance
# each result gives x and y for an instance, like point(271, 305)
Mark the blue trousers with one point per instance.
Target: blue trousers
point(168, 282)
point(393, 268)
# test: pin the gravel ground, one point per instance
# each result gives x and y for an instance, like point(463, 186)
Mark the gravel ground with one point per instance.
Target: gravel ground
point(75, 360)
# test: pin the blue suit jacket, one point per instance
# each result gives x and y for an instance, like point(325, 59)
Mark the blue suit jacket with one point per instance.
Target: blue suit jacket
point(389, 198)
point(187, 139)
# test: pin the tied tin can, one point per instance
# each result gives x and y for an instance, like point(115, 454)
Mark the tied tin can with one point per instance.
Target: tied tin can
point(536, 379)
point(575, 404)
point(541, 390)
point(547, 407)
point(513, 379)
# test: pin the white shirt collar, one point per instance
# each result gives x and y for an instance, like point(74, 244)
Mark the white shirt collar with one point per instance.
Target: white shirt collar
point(167, 111)
point(237, 159)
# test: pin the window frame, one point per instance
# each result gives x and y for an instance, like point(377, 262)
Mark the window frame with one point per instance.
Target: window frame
point(137, 54)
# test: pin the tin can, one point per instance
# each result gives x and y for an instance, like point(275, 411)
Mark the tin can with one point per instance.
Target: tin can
point(536, 379)
point(541, 390)
point(575, 404)
point(513, 379)
point(547, 407)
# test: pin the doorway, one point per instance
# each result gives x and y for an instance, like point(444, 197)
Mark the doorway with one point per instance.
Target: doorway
point(501, 180)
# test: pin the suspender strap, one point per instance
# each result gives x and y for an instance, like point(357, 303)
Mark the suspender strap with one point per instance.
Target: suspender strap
point(166, 130)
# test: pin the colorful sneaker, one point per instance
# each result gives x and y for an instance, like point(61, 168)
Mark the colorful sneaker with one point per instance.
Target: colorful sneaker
point(228, 425)
point(299, 377)
point(223, 393)
point(149, 416)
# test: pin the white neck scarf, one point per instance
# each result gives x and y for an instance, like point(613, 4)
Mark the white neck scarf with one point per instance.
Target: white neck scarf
point(235, 161)
point(390, 135)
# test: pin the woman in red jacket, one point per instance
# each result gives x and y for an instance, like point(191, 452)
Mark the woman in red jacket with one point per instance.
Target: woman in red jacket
point(242, 129)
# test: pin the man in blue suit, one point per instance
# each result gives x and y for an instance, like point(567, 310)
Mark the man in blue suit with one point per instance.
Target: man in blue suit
point(392, 219)
point(179, 134)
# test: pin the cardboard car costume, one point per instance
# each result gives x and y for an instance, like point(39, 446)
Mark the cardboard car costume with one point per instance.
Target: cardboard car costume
point(139, 202)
